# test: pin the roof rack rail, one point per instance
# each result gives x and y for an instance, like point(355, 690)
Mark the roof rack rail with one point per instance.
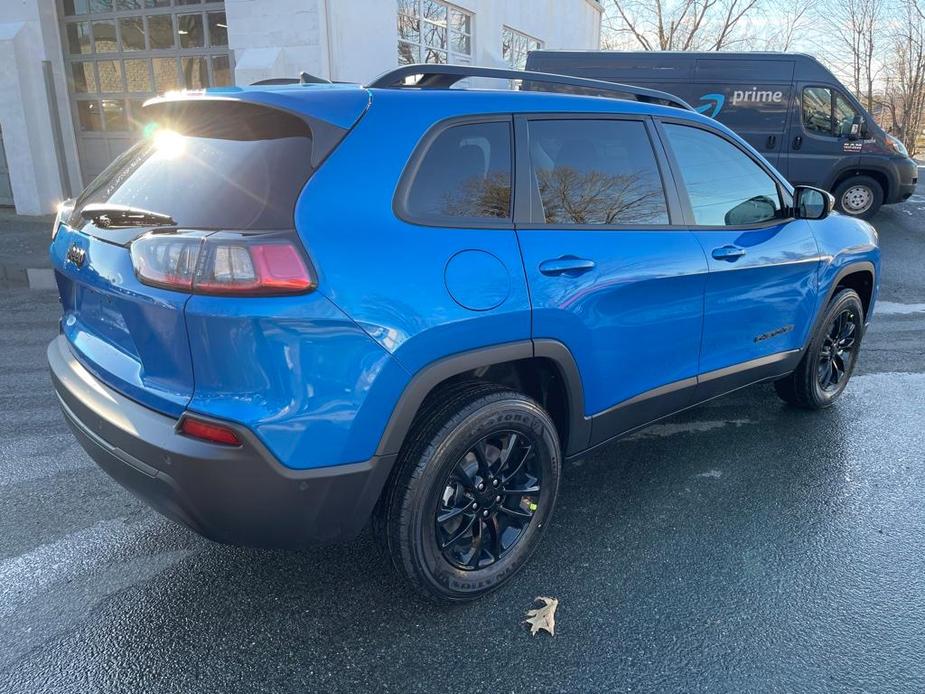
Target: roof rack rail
point(445, 76)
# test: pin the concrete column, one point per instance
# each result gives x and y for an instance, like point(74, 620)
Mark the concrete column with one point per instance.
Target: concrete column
point(30, 34)
point(25, 120)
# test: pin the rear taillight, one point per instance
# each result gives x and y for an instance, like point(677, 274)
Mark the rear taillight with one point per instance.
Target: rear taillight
point(222, 263)
point(208, 431)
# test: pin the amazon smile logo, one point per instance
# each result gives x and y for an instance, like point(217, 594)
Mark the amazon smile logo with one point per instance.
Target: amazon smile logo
point(714, 103)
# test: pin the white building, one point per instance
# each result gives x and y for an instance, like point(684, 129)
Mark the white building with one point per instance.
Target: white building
point(73, 73)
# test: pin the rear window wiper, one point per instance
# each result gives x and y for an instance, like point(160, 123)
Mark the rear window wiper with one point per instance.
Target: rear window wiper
point(107, 215)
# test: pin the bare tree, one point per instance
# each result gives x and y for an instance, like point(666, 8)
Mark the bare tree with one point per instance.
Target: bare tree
point(785, 24)
point(904, 93)
point(678, 25)
point(854, 29)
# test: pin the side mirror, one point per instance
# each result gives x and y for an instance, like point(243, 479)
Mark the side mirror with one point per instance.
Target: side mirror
point(812, 203)
point(858, 129)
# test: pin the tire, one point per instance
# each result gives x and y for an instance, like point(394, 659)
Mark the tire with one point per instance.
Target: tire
point(830, 358)
point(438, 475)
point(860, 196)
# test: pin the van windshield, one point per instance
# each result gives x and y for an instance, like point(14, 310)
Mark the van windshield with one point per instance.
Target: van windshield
point(215, 165)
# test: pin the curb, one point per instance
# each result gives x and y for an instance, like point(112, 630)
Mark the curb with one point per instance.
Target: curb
point(12, 277)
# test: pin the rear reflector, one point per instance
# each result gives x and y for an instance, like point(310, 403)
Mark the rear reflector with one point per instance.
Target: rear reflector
point(222, 263)
point(207, 431)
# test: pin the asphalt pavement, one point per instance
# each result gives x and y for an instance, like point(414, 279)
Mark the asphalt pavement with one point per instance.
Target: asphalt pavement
point(742, 546)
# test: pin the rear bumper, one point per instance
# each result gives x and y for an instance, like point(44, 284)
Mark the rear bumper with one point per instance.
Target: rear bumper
point(236, 495)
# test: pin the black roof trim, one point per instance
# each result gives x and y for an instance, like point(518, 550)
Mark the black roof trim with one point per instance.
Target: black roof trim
point(445, 76)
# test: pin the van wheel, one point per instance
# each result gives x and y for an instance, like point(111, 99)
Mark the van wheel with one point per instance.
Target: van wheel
point(860, 196)
point(829, 361)
point(473, 491)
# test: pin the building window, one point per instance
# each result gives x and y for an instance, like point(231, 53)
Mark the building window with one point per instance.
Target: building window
point(514, 47)
point(433, 32)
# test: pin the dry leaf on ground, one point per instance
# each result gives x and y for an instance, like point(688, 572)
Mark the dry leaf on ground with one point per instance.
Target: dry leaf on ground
point(543, 617)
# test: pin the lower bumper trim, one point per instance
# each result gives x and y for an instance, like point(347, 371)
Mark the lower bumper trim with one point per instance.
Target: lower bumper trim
point(236, 495)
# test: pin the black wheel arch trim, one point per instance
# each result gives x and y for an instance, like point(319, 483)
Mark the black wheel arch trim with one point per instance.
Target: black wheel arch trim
point(425, 380)
point(849, 269)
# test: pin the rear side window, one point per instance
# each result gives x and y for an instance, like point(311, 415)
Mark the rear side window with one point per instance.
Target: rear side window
point(595, 172)
point(725, 186)
point(465, 173)
point(213, 165)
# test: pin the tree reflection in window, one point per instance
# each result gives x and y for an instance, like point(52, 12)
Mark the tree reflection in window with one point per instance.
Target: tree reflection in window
point(596, 172)
point(466, 172)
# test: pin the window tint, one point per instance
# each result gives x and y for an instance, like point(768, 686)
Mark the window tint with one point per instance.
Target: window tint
point(724, 185)
point(596, 172)
point(225, 166)
point(817, 110)
point(466, 172)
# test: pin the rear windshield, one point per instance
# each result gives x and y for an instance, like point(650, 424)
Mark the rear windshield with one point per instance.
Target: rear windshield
point(221, 165)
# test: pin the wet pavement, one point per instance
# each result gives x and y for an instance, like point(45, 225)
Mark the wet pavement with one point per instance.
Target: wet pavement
point(742, 546)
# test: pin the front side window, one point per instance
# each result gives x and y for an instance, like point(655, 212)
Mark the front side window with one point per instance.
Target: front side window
point(844, 116)
point(430, 31)
point(826, 112)
point(596, 172)
point(725, 186)
point(465, 173)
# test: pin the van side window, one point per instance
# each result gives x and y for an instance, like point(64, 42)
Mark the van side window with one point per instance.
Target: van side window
point(826, 112)
point(817, 110)
point(724, 185)
point(596, 172)
point(844, 116)
point(465, 173)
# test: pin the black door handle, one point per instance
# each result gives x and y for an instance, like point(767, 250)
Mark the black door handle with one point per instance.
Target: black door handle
point(772, 142)
point(797, 142)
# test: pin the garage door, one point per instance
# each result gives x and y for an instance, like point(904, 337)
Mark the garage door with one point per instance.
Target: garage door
point(119, 53)
point(6, 191)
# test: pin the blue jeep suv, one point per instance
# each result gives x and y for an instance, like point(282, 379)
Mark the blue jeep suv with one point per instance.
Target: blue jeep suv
point(292, 310)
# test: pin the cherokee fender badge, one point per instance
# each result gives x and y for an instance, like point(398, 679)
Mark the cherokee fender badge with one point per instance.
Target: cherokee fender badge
point(774, 333)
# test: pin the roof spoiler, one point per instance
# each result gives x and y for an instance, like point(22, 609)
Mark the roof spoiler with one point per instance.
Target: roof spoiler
point(445, 76)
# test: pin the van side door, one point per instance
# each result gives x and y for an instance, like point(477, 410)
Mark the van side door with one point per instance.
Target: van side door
point(750, 96)
point(614, 274)
point(761, 290)
point(819, 146)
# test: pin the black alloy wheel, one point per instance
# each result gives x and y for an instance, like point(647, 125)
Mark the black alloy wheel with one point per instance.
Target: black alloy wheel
point(837, 355)
point(830, 357)
point(489, 500)
point(472, 491)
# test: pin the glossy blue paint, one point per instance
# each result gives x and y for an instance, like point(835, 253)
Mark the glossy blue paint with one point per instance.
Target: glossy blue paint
point(844, 242)
point(387, 274)
point(317, 376)
point(633, 322)
point(296, 370)
point(131, 336)
point(763, 301)
point(477, 280)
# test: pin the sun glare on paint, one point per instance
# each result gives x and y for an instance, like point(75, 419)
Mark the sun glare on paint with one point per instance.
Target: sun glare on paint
point(169, 144)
